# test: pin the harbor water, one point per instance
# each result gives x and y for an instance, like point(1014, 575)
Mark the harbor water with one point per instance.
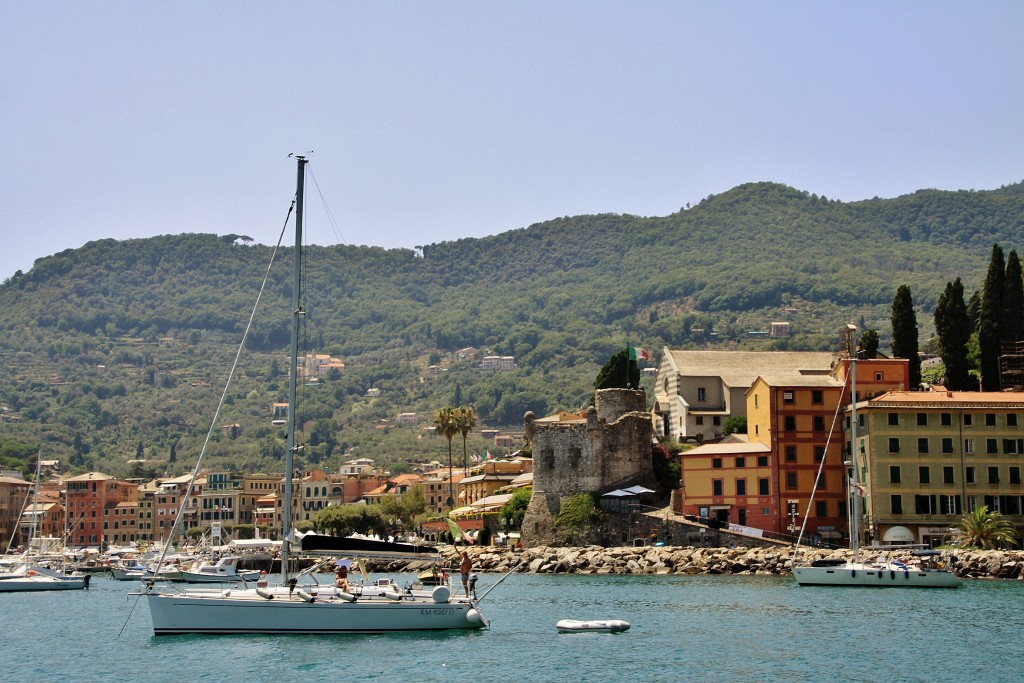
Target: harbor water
point(684, 628)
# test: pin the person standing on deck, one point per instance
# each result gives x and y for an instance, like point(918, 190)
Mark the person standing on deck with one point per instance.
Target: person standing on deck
point(465, 568)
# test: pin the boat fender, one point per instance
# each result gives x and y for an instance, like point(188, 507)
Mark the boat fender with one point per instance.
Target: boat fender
point(441, 595)
point(892, 574)
point(225, 593)
point(347, 597)
point(473, 616)
point(392, 595)
point(264, 593)
point(305, 596)
point(906, 574)
point(853, 572)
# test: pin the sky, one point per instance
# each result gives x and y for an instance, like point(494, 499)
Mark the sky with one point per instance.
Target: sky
point(433, 121)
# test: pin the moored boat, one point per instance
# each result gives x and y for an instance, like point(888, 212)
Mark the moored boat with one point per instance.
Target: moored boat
point(300, 605)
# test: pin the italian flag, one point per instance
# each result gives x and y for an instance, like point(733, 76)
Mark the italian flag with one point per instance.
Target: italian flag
point(636, 354)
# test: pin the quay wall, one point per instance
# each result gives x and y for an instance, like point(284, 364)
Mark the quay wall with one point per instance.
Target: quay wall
point(972, 564)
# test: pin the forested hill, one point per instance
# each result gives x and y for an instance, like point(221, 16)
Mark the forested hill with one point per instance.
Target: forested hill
point(561, 296)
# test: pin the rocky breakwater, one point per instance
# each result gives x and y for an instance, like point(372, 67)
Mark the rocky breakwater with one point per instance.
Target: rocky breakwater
point(974, 564)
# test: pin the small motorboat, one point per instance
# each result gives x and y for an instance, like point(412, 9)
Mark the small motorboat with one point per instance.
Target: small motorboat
point(598, 625)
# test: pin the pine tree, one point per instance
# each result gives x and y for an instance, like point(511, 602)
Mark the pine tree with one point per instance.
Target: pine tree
point(990, 319)
point(1012, 327)
point(953, 327)
point(904, 333)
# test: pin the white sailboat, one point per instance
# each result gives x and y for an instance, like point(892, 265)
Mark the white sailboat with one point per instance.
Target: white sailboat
point(27, 573)
point(925, 573)
point(301, 604)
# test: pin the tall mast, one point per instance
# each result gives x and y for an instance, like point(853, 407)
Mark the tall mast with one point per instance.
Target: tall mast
point(854, 476)
point(293, 368)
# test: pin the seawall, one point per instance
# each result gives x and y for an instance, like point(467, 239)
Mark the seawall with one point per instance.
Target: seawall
point(974, 564)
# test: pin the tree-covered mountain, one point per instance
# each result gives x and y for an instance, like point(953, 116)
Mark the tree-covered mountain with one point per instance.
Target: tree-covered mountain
point(87, 378)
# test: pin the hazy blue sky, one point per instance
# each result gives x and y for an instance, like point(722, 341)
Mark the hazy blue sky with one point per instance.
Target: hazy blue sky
point(432, 121)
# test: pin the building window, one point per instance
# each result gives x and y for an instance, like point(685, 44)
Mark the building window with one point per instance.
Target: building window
point(700, 420)
point(879, 377)
point(702, 395)
point(741, 462)
point(922, 419)
point(790, 423)
point(762, 487)
point(716, 463)
point(790, 453)
point(894, 474)
point(762, 461)
point(991, 446)
point(947, 445)
point(1011, 419)
point(741, 487)
point(894, 444)
point(821, 480)
point(841, 509)
point(972, 503)
point(968, 420)
point(924, 505)
point(1013, 445)
point(969, 475)
point(924, 474)
point(993, 475)
point(790, 480)
point(716, 420)
point(949, 505)
point(896, 503)
point(990, 419)
point(894, 419)
point(945, 419)
point(716, 487)
point(947, 475)
point(817, 396)
point(922, 444)
point(819, 453)
point(968, 445)
point(820, 508)
point(819, 423)
point(787, 396)
point(1015, 475)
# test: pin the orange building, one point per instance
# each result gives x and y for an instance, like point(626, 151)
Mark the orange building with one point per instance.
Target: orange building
point(93, 507)
point(794, 447)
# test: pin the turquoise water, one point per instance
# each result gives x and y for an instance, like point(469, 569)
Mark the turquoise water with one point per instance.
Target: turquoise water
point(709, 628)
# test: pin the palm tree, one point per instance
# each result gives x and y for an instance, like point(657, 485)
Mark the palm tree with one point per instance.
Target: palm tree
point(446, 423)
point(466, 420)
point(984, 529)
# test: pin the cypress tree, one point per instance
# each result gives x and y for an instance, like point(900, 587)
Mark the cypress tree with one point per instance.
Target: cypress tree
point(1012, 328)
point(953, 327)
point(904, 333)
point(868, 344)
point(990, 319)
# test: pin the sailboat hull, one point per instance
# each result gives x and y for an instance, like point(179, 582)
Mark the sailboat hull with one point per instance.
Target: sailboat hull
point(43, 583)
point(875, 576)
point(247, 612)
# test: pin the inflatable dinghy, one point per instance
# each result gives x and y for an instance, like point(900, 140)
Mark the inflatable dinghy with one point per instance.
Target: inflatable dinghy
point(599, 625)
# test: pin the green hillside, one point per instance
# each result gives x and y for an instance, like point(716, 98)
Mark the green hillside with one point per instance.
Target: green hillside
point(87, 379)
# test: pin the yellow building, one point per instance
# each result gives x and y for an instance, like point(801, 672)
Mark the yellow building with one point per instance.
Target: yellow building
point(928, 457)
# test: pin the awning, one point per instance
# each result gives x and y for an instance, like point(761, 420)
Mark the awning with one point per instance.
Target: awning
point(899, 534)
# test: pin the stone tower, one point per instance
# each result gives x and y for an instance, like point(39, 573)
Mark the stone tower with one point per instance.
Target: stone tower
point(607, 447)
